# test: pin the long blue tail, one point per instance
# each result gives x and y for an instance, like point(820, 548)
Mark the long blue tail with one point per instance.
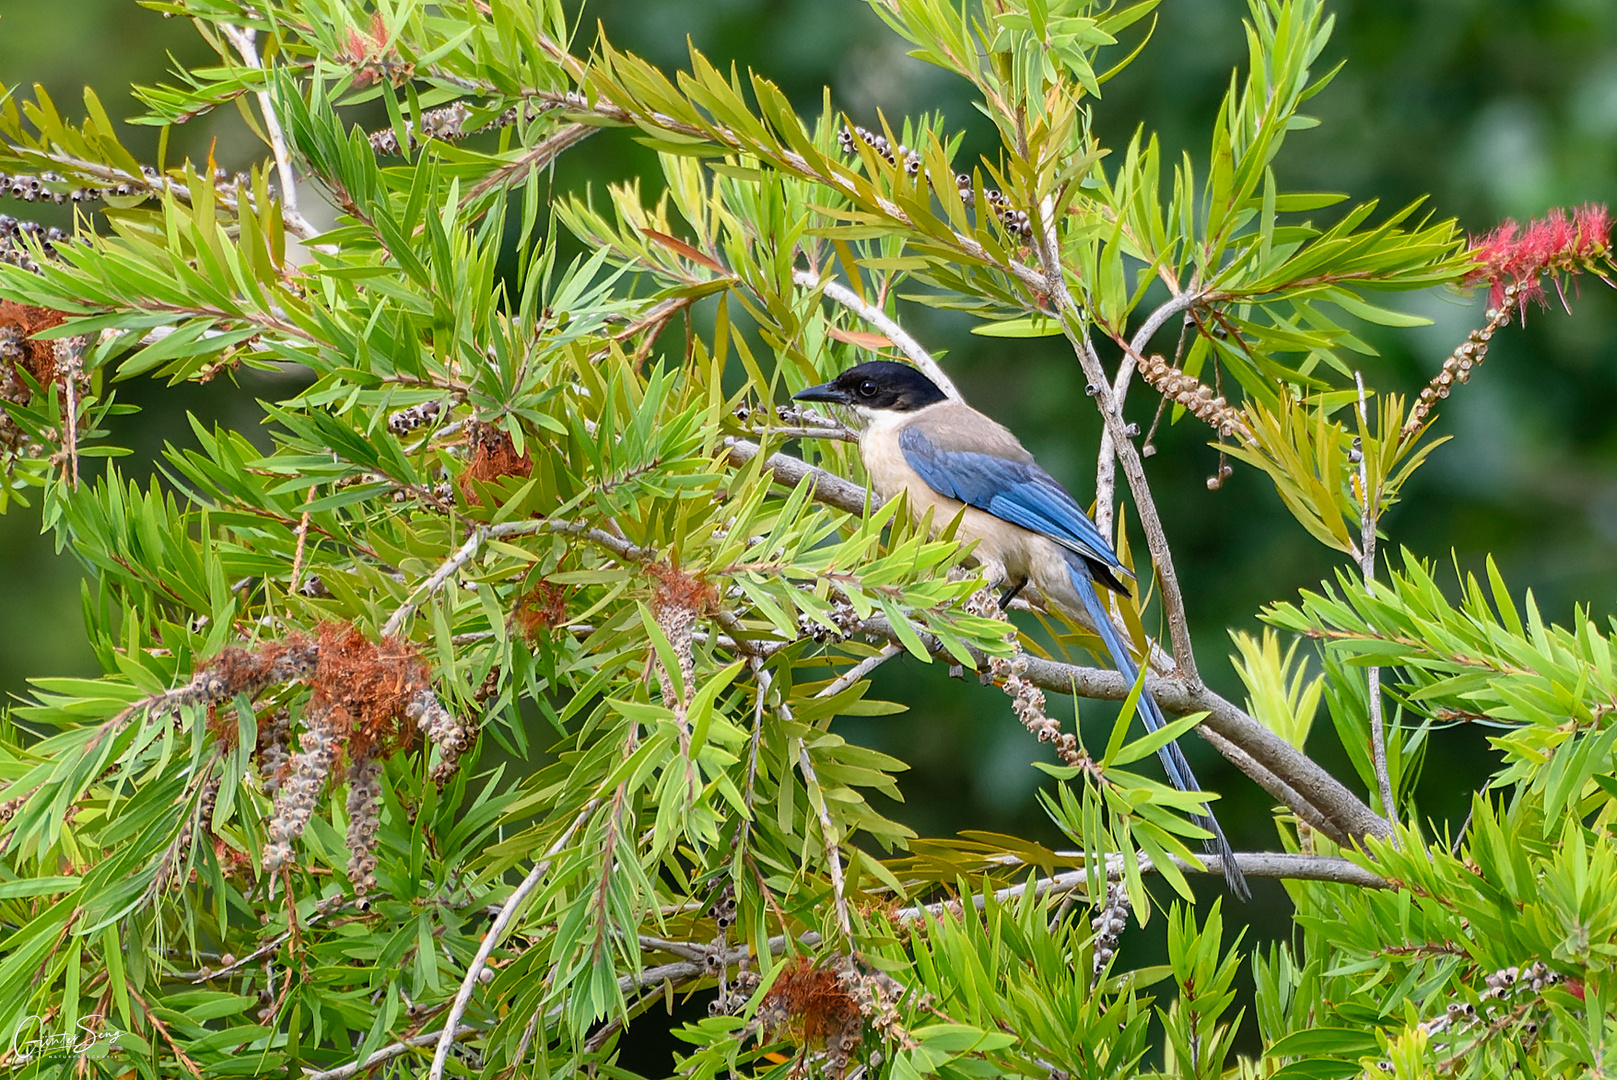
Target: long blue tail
point(1173, 759)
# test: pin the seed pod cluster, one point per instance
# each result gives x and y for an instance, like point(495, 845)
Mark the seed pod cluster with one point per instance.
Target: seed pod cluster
point(441, 728)
point(1015, 222)
point(1458, 366)
point(1027, 700)
point(364, 802)
point(49, 187)
point(843, 618)
point(1197, 397)
point(1109, 922)
point(449, 123)
point(404, 421)
point(1509, 999)
point(299, 793)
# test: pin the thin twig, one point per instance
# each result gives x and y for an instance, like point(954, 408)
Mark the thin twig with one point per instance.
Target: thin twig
point(600, 1038)
point(1367, 566)
point(1106, 460)
point(861, 669)
point(445, 571)
point(764, 679)
point(840, 434)
point(538, 156)
point(246, 44)
point(269, 947)
point(883, 322)
point(1157, 319)
point(523, 1043)
point(1047, 244)
point(833, 854)
point(687, 949)
point(162, 1029)
point(1145, 508)
point(508, 911)
point(69, 363)
point(385, 1055)
point(467, 551)
point(303, 537)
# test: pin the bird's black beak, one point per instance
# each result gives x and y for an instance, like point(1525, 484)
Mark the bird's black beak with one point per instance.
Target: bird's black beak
point(824, 392)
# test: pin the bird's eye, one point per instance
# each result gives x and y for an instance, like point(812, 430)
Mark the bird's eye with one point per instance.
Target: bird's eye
point(867, 388)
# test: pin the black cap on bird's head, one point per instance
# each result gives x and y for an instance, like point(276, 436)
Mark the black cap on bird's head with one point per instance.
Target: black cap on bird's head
point(876, 385)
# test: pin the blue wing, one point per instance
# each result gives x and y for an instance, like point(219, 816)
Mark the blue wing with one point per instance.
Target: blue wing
point(1016, 491)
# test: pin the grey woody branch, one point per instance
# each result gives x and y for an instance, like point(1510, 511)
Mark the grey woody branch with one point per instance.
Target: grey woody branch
point(700, 959)
point(1279, 767)
point(1280, 865)
point(1073, 322)
point(1281, 791)
point(878, 318)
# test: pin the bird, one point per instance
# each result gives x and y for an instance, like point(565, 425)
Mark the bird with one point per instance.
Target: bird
point(952, 460)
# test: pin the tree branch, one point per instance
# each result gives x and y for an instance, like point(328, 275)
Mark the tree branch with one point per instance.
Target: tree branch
point(1106, 460)
point(829, 488)
point(861, 669)
point(1281, 865)
point(1155, 321)
point(508, 911)
point(1282, 792)
point(1367, 567)
point(385, 1055)
point(1303, 785)
point(623, 549)
point(1173, 602)
point(881, 321)
point(828, 832)
point(1312, 784)
point(245, 42)
point(537, 156)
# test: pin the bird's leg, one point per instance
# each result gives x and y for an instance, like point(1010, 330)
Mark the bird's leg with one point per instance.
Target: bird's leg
point(1010, 594)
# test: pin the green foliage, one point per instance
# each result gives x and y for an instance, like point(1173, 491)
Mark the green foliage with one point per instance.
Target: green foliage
point(519, 588)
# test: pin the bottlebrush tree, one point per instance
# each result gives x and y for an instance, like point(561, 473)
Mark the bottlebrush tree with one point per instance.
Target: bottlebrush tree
point(296, 826)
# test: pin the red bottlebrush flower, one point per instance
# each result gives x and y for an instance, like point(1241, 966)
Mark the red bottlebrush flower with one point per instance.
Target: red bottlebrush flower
point(1557, 243)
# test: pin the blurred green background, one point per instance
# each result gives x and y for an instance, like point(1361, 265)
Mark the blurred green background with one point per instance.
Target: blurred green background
point(1492, 108)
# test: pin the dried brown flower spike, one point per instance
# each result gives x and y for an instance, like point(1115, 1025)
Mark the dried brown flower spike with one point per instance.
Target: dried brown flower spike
point(493, 455)
point(368, 700)
point(813, 1006)
point(677, 602)
point(21, 354)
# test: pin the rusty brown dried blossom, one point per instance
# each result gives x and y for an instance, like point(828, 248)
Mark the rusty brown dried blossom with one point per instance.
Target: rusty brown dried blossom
point(493, 455)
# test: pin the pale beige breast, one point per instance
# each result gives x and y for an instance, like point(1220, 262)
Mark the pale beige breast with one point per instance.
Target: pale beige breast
point(1001, 546)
